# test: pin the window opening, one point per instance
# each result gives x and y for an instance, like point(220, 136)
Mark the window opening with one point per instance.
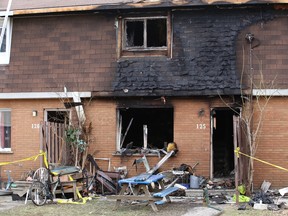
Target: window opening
point(135, 30)
point(3, 46)
point(156, 33)
point(146, 33)
point(5, 130)
point(58, 116)
point(6, 43)
point(146, 126)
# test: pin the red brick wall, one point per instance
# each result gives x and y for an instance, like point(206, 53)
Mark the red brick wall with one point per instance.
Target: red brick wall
point(193, 143)
point(25, 140)
point(272, 145)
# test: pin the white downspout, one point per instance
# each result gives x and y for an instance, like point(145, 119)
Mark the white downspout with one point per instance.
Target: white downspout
point(79, 109)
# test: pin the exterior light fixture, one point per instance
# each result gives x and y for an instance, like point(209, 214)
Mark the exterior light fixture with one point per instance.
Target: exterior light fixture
point(34, 113)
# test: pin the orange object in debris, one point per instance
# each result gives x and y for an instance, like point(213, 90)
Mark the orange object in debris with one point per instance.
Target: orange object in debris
point(171, 146)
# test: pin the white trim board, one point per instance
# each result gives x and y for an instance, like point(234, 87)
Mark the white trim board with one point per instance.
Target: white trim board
point(44, 95)
point(270, 92)
point(3, 13)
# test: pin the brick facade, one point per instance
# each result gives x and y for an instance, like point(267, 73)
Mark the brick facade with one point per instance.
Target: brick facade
point(25, 141)
point(272, 144)
point(194, 144)
point(79, 52)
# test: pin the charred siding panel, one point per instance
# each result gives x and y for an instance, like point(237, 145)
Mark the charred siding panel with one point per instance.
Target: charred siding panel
point(204, 56)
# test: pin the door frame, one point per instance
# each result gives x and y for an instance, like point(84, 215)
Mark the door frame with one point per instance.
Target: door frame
point(211, 172)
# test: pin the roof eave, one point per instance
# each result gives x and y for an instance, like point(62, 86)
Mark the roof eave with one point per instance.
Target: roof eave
point(141, 4)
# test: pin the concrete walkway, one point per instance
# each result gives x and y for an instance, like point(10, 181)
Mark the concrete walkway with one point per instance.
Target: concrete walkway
point(6, 202)
point(201, 211)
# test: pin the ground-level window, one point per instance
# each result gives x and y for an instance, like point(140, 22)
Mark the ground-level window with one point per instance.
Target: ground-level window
point(5, 130)
point(144, 128)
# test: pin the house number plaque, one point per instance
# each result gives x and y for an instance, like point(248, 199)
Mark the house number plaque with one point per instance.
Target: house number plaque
point(35, 126)
point(201, 126)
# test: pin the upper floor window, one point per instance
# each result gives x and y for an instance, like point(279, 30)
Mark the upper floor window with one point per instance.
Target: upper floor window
point(146, 33)
point(6, 41)
point(143, 36)
point(5, 130)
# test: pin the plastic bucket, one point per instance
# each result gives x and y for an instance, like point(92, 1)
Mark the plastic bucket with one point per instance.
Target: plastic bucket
point(194, 181)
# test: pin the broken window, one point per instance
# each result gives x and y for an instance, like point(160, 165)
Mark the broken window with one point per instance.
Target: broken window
point(146, 33)
point(144, 128)
point(145, 36)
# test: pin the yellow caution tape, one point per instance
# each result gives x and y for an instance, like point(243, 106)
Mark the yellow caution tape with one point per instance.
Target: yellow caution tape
point(77, 191)
point(45, 158)
point(69, 201)
point(237, 152)
point(27, 159)
point(42, 153)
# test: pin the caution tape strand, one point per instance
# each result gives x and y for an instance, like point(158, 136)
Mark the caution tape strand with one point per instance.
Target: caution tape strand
point(27, 159)
point(237, 152)
point(42, 153)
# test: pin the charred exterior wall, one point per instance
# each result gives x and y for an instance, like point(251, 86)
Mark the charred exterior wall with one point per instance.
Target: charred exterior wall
point(79, 51)
point(204, 55)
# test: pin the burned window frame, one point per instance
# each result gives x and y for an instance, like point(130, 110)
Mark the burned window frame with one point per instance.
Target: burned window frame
point(144, 33)
point(142, 51)
point(122, 128)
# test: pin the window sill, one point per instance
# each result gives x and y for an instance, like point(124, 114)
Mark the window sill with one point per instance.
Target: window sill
point(136, 154)
point(144, 53)
point(6, 152)
point(139, 154)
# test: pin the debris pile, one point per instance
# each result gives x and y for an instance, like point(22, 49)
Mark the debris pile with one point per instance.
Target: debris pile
point(265, 199)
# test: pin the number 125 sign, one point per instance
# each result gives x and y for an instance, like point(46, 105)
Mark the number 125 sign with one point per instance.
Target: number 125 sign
point(201, 126)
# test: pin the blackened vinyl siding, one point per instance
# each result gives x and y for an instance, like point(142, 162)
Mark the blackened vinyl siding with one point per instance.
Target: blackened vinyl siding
point(204, 56)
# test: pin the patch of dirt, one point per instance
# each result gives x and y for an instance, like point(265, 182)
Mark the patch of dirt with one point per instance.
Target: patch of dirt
point(103, 207)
